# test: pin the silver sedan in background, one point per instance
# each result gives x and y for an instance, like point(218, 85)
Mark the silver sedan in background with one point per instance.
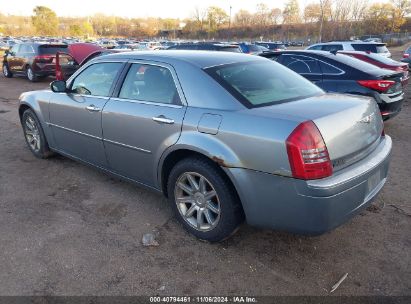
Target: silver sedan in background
point(226, 137)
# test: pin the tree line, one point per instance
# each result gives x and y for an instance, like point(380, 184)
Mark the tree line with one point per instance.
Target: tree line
point(319, 20)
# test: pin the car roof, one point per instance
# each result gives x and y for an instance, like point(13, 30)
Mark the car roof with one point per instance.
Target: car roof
point(201, 59)
point(306, 52)
point(350, 42)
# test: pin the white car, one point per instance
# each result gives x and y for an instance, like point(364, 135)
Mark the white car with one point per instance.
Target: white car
point(371, 47)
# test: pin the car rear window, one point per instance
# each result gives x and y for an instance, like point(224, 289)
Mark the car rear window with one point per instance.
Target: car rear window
point(372, 47)
point(356, 63)
point(257, 84)
point(383, 59)
point(231, 49)
point(52, 49)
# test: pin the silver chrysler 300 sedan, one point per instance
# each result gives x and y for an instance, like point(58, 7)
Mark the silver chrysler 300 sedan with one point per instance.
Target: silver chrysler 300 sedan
point(225, 136)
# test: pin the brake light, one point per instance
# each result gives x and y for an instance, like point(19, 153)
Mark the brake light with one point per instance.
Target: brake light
point(43, 58)
point(307, 153)
point(406, 55)
point(378, 85)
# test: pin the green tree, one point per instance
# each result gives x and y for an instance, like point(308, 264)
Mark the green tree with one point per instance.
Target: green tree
point(291, 12)
point(401, 8)
point(216, 17)
point(45, 21)
point(378, 17)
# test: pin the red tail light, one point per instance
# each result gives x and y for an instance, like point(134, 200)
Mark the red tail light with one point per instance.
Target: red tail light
point(43, 58)
point(378, 85)
point(307, 153)
point(406, 55)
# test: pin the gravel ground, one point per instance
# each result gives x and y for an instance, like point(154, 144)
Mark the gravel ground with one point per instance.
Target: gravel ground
point(68, 229)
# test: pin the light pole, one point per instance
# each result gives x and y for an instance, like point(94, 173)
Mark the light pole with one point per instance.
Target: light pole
point(229, 24)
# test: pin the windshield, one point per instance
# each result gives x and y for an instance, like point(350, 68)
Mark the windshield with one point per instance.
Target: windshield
point(383, 59)
point(356, 63)
point(257, 84)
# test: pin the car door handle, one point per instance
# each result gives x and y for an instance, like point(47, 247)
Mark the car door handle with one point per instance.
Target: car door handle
point(93, 108)
point(163, 119)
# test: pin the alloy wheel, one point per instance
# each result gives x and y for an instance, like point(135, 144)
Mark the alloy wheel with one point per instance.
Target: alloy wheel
point(5, 71)
point(32, 133)
point(197, 201)
point(30, 74)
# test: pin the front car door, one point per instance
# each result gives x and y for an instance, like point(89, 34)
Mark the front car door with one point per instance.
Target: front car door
point(75, 117)
point(12, 58)
point(143, 120)
point(303, 65)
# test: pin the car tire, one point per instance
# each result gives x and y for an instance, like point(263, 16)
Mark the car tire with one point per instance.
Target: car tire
point(209, 217)
point(6, 71)
point(34, 135)
point(30, 74)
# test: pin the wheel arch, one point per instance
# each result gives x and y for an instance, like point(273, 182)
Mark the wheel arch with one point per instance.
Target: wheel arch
point(169, 160)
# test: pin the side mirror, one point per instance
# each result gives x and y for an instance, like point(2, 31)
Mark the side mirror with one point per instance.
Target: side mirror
point(58, 86)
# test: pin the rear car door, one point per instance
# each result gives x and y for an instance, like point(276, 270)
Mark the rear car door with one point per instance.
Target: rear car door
point(26, 52)
point(143, 120)
point(75, 117)
point(303, 65)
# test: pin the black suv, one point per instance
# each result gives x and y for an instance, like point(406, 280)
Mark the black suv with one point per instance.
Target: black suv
point(34, 60)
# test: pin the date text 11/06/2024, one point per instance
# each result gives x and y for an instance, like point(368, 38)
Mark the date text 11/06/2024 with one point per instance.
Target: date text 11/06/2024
point(237, 299)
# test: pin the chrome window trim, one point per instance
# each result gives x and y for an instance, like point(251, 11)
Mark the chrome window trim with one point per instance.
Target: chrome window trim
point(167, 105)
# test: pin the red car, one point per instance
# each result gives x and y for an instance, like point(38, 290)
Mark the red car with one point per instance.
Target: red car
point(77, 55)
point(382, 62)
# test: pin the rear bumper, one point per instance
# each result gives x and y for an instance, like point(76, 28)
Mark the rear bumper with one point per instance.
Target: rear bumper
point(390, 104)
point(312, 207)
point(389, 110)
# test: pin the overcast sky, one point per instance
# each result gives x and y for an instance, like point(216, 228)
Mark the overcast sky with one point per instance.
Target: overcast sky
point(135, 8)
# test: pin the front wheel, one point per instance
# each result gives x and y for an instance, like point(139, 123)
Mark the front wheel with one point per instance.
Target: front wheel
point(6, 71)
point(34, 135)
point(203, 200)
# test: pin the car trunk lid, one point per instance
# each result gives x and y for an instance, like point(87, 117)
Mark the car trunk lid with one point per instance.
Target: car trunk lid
point(350, 126)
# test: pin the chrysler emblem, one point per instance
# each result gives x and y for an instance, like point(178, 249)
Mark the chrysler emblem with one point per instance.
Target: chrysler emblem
point(366, 119)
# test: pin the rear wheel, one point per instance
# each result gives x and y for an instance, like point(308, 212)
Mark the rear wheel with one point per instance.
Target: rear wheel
point(31, 75)
point(34, 135)
point(203, 200)
point(6, 71)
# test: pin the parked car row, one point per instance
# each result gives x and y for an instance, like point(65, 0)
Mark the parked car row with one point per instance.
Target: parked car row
point(349, 72)
point(227, 137)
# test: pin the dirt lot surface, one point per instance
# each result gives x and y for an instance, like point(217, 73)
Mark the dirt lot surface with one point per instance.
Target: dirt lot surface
point(68, 229)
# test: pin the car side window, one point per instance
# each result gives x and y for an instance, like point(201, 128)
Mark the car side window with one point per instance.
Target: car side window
point(97, 79)
point(332, 47)
point(15, 49)
point(329, 69)
point(301, 65)
point(315, 48)
point(26, 49)
point(150, 83)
